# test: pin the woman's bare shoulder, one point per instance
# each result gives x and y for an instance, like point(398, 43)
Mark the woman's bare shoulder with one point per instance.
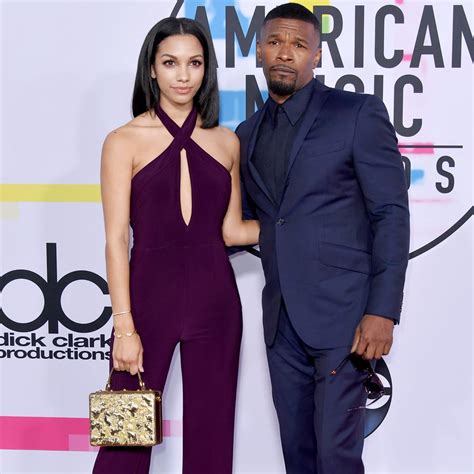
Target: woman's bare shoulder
point(131, 135)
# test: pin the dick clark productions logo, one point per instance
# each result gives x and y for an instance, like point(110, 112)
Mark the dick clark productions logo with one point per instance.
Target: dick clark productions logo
point(52, 290)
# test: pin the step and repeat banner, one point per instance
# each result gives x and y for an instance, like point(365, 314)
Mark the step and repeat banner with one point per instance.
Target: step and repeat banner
point(68, 70)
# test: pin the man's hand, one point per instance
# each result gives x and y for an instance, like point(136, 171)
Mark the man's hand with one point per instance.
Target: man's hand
point(373, 337)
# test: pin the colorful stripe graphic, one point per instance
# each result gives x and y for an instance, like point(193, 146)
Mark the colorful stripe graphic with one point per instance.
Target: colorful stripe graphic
point(418, 148)
point(50, 193)
point(309, 4)
point(57, 434)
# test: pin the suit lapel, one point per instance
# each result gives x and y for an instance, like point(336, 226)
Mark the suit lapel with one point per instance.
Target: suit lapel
point(250, 149)
point(318, 98)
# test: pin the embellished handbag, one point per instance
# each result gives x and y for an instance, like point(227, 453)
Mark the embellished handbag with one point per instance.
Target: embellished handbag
point(125, 417)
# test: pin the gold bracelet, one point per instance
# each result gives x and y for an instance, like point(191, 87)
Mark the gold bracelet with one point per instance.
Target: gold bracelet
point(128, 334)
point(121, 312)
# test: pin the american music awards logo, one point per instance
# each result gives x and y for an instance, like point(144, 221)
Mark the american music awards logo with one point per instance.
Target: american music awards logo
point(412, 62)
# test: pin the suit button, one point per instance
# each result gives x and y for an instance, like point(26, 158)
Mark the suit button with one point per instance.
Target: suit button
point(280, 221)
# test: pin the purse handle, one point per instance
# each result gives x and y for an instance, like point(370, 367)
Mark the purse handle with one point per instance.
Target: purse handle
point(140, 381)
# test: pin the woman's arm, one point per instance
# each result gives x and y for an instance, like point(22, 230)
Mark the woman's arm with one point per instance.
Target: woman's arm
point(235, 230)
point(116, 175)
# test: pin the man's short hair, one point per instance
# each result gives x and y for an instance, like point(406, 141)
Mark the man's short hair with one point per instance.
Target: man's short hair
point(293, 11)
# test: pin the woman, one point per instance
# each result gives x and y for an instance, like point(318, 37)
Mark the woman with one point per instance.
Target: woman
point(173, 174)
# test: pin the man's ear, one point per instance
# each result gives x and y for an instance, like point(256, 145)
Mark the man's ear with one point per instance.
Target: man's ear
point(317, 58)
point(259, 52)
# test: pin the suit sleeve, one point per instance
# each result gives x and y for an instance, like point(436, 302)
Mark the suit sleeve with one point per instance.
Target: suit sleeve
point(248, 206)
point(381, 176)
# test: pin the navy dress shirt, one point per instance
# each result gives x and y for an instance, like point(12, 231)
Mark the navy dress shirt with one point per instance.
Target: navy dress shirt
point(275, 138)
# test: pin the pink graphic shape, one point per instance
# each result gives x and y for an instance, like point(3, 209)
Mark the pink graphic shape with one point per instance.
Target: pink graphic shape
point(57, 434)
point(413, 148)
point(40, 433)
point(172, 428)
point(81, 443)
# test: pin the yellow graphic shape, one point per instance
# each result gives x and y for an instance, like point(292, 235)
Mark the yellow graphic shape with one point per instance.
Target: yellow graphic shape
point(50, 193)
point(309, 4)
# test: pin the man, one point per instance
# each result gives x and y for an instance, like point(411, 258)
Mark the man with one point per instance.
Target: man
point(322, 172)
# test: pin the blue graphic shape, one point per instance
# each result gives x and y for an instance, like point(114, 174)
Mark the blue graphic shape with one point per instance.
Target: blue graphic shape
point(215, 10)
point(215, 15)
point(417, 176)
point(232, 108)
point(232, 102)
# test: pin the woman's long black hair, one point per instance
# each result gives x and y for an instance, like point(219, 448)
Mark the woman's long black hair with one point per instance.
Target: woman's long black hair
point(146, 94)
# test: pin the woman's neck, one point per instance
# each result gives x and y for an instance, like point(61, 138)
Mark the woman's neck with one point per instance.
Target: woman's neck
point(176, 112)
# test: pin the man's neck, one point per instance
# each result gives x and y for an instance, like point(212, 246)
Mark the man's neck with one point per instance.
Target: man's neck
point(279, 99)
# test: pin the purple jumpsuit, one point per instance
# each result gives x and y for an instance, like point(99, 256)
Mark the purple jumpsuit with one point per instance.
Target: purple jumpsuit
point(183, 290)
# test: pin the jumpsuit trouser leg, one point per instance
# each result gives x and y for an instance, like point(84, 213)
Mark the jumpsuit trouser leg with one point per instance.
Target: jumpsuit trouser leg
point(209, 363)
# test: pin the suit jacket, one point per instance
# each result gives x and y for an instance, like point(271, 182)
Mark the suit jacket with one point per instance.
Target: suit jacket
point(336, 244)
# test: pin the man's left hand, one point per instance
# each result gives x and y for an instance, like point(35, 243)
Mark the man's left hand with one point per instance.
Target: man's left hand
point(373, 337)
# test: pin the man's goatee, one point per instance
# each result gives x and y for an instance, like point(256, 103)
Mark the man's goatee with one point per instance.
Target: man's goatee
point(282, 88)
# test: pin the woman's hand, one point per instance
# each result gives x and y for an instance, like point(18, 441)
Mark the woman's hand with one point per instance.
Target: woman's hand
point(127, 353)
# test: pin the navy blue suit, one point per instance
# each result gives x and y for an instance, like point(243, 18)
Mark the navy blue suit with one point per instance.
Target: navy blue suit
point(334, 247)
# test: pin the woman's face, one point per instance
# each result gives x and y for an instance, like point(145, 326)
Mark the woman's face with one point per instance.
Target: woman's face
point(179, 68)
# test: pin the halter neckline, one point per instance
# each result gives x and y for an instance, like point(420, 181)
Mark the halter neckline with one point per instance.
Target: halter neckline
point(186, 129)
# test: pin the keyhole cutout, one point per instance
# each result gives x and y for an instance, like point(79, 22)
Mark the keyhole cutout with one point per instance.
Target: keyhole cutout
point(185, 191)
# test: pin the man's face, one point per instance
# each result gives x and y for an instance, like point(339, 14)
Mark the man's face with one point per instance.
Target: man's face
point(289, 52)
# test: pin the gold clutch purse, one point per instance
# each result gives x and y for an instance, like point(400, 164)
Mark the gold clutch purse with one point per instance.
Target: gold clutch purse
point(125, 417)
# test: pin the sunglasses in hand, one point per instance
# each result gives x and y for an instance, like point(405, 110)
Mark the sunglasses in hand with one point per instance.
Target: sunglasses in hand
point(372, 383)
